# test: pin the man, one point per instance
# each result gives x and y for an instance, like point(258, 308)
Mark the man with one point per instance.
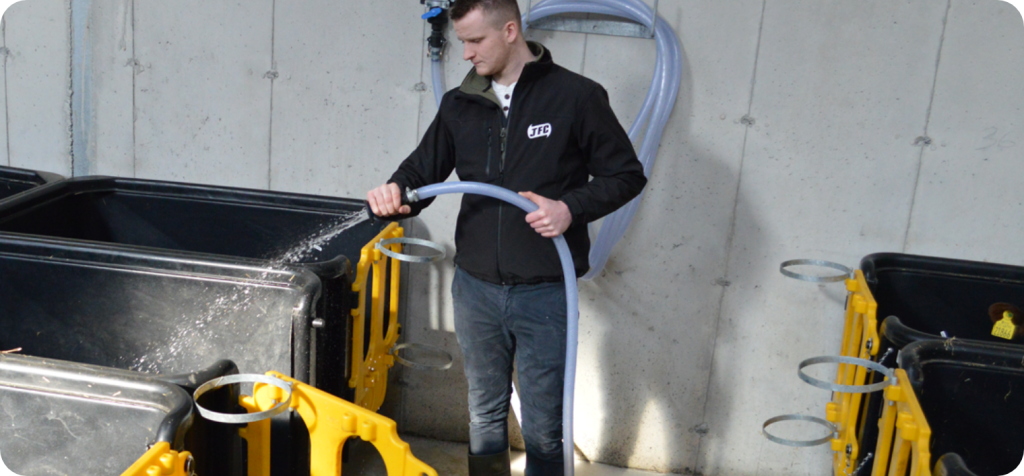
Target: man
point(520, 122)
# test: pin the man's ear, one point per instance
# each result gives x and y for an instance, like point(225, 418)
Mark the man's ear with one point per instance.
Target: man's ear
point(511, 31)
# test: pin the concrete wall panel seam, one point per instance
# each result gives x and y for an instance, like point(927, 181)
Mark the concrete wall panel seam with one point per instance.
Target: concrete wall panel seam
point(730, 236)
point(968, 205)
point(925, 140)
point(424, 77)
point(103, 85)
point(81, 100)
point(135, 111)
point(757, 53)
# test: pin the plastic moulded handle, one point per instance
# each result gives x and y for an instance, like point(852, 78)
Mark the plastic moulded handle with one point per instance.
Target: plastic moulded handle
point(433, 12)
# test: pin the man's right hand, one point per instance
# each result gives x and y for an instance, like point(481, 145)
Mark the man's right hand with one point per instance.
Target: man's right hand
point(386, 200)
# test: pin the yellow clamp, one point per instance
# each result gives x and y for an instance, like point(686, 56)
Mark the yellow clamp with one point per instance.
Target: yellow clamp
point(370, 374)
point(161, 460)
point(331, 421)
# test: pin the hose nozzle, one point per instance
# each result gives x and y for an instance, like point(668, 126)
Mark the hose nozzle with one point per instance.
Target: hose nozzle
point(410, 196)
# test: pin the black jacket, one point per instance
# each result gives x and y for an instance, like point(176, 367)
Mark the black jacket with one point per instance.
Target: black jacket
point(575, 135)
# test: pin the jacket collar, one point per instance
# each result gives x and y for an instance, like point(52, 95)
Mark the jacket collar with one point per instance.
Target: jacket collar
point(480, 86)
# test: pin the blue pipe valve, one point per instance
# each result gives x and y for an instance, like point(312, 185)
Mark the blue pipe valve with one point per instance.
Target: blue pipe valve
point(433, 12)
point(438, 20)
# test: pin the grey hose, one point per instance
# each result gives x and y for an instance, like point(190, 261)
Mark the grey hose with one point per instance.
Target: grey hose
point(571, 295)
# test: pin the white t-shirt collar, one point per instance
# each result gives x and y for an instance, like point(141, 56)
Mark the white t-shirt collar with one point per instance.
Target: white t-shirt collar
point(504, 94)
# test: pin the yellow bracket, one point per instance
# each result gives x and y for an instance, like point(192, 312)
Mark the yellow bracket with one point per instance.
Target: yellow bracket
point(160, 460)
point(331, 421)
point(370, 375)
point(903, 418)
point(860, 339)
point(257, 437)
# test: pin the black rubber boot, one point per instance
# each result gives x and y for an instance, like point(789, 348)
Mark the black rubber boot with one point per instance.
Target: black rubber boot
point(490, 465)
point(536, 467)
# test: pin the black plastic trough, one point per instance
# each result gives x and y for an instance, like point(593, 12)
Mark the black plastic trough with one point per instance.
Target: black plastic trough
point(14, 181)
point(245, 227)
point(972, 395)
point(923, 297)
point(69, 418)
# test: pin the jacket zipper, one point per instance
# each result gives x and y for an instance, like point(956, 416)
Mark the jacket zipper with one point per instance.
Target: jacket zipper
point(501, 181)
point(504, 141)
point(487, 170)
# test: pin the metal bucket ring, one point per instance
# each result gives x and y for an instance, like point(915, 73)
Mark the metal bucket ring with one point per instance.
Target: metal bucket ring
point(847, 272)
point(798, 443)
point(382, 245)
point(218, 382)
point(419, 365)
point(829, 359)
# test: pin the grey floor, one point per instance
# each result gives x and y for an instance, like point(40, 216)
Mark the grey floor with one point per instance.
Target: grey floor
point(449, 459)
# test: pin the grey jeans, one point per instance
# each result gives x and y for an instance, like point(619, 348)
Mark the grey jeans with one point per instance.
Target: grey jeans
point(494, 325)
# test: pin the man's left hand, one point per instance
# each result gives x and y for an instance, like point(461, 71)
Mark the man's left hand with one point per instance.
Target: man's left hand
point(551, 219)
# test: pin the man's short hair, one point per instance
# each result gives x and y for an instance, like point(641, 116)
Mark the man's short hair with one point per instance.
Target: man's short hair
point(499, 12)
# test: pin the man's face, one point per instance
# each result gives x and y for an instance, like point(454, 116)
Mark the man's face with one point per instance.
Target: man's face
point(488, 47)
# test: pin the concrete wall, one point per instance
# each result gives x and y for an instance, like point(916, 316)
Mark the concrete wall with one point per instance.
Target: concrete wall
point(38, 85)
point(804, 128)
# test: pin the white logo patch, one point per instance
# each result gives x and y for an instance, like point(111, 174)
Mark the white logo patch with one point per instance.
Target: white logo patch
point(542, 130)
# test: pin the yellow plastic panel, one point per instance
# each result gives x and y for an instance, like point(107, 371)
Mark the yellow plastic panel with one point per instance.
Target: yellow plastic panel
point(860, 339)
point(904, 434)
point(257, 437)
point(370, 375)
point(160, 460)
point(332, 421)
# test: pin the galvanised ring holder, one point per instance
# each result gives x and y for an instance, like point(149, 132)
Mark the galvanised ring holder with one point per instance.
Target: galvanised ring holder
point(829, 359)
point(243, 417)
point(847, 272)
point(382, 245)
point(445, 356)
point(799, 443)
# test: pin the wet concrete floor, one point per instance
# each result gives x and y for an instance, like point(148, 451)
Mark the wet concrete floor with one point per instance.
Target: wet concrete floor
point(449, 459)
